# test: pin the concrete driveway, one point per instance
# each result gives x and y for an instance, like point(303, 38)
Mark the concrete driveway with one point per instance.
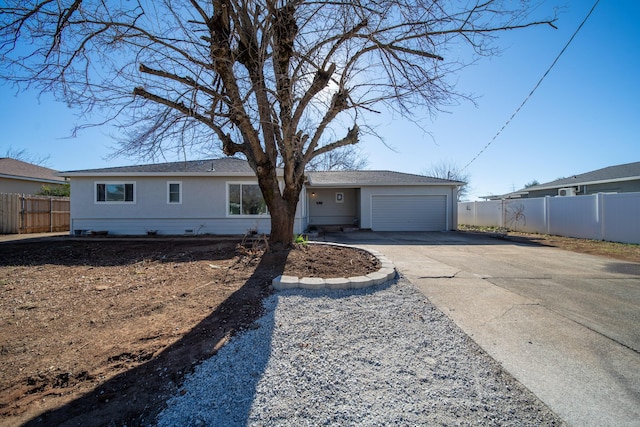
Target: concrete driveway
point(566, 325)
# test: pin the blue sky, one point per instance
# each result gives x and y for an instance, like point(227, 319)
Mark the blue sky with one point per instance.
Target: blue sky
point(584, 116)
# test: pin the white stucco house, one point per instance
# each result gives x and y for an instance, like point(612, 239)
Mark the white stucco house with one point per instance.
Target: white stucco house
point(221, 197)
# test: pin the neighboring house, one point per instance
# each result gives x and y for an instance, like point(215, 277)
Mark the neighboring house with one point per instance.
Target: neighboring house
point(221, 196)
point(613, 179)
point(25, 178)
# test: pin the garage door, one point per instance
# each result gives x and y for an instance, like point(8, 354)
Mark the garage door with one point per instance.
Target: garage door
point(408, 213)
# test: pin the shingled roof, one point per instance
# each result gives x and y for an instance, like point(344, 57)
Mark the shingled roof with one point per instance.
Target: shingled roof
point(224, 166)
point(17, 169)
point(367, 177)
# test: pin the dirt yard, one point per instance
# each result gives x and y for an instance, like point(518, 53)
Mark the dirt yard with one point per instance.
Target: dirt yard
point(100, 332)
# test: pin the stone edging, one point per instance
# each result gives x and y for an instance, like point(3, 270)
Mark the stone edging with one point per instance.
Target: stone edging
point(386, 272)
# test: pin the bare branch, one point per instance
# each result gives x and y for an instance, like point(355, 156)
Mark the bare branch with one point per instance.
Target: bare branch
point(350, 139)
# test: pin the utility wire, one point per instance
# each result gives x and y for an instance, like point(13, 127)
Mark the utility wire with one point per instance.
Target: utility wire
point(535, 87)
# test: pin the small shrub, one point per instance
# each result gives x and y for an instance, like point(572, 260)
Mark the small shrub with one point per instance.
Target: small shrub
point(301, 239)
point(63, 190)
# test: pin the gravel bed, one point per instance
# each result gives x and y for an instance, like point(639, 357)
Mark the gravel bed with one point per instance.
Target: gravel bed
point(374, 357)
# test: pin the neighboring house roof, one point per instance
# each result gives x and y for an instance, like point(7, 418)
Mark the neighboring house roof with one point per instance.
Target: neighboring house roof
point(626, 172)
point(369, 178)
point(17, 169)
point(618, 173)
point(224, 166)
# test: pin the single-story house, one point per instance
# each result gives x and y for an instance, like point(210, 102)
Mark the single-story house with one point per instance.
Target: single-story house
point(221, 196)
point(613, 179)
point(21, 177)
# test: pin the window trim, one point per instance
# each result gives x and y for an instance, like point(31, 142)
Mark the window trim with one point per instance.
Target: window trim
point(241, 183)
point(114, 202)
point(169, 202)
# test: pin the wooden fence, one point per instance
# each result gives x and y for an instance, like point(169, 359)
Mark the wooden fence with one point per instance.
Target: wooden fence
point(21, 214)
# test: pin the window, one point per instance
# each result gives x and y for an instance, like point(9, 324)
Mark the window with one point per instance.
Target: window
point(246, 199)
point(122, 192)
point(174, 192)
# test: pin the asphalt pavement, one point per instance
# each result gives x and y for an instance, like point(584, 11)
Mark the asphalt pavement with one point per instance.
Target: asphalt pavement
point(566, 325)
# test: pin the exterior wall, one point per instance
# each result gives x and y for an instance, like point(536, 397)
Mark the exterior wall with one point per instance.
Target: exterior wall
point(324, 209)
point(203, 209)
point(612, 217)
point(19, 186)
point(366, 194)
point(452, 208)
point(204, 205)
point(302, 217)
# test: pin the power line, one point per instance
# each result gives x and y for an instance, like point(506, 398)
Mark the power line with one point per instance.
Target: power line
point(535, 87)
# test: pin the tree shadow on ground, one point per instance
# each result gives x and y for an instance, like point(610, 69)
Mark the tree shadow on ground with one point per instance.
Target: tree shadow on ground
point(135, 397)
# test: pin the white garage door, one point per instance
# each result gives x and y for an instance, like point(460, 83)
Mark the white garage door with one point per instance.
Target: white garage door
point(408, 213)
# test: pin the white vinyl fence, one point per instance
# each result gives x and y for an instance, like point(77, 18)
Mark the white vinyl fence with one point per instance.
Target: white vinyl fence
point(611, 217)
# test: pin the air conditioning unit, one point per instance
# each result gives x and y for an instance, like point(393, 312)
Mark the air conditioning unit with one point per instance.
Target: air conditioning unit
point(569, 191)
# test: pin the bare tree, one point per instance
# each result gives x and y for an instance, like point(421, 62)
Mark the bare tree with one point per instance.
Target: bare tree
point(444, 170)
point(279, 82)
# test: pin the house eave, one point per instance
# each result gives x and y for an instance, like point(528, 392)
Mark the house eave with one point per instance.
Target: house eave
point(390, 184)
point(157, 174)
point(30, 179)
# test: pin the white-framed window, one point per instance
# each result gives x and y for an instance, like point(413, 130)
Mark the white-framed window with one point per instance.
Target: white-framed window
point(339, 197)
point(174, 192)
point(115, 192)
point(245, 198)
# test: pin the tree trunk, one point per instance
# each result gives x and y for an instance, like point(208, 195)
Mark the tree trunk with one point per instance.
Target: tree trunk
point(283, 214)
point(281, 204)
